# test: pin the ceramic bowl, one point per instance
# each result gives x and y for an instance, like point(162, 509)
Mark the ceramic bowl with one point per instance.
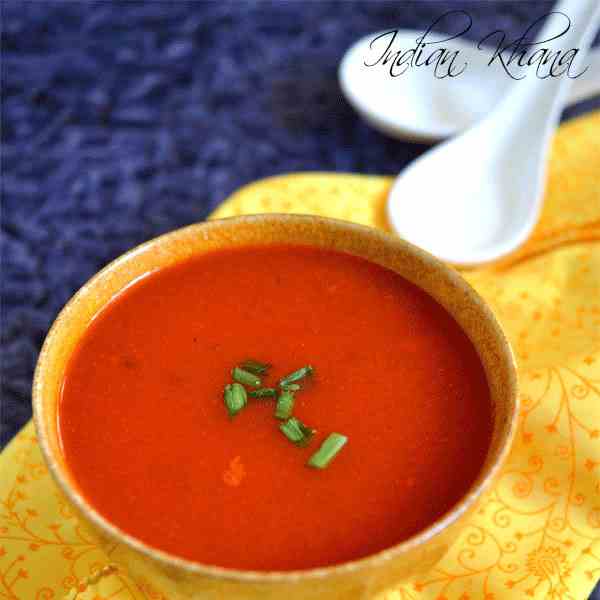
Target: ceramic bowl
point(181, 579)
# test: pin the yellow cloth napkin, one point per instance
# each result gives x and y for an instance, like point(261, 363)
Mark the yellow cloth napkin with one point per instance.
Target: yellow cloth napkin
point(538, 533)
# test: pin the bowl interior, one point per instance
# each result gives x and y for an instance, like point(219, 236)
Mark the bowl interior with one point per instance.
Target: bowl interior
point(441, 282)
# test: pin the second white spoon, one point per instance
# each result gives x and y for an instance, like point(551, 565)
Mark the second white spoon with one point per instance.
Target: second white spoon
point(419, 107)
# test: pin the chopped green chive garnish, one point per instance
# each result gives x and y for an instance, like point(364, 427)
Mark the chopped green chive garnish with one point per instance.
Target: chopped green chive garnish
point(296, 376)
point(235, 398)
point(285, 405)
point(297, 432)
point(245, 377)
point(255, 367)
point(291, 387)
point(263, 393)
point(328, 451)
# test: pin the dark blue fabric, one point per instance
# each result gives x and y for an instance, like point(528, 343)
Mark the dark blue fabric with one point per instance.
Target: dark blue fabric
point(121, 121)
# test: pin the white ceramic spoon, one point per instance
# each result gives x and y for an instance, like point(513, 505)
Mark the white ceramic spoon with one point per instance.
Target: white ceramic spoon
point(477, 197)
point(417, 106)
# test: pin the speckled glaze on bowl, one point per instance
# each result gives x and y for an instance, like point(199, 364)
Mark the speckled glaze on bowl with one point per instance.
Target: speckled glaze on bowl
point(184, 580)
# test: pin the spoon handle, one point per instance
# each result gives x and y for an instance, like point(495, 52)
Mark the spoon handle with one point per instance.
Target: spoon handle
point(589, 84)
point(540, 100)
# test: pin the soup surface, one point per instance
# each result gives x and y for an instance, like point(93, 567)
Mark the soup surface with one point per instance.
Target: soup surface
point(148, 439)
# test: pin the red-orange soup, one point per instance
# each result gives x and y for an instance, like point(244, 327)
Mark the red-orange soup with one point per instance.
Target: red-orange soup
point(147, 437)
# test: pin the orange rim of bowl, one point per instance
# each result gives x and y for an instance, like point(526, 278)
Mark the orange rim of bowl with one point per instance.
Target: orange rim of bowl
point(467, 500)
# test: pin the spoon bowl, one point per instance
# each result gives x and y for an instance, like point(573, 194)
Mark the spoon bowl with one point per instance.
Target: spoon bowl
point(420, 107)
point(477, 197)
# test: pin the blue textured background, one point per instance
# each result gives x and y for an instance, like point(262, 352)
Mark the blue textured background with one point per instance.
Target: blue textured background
point(121, 121)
